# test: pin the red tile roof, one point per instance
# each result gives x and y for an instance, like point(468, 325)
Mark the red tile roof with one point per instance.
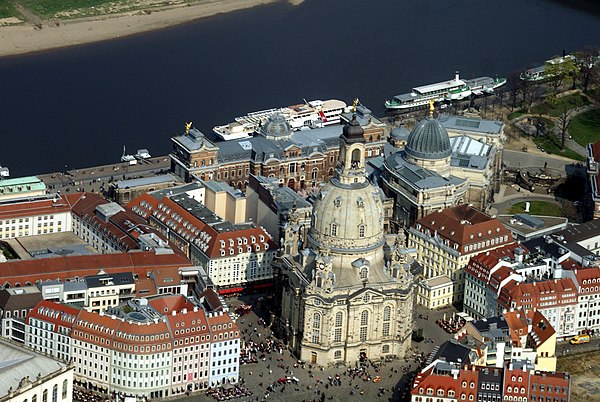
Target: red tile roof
point(59, 315)
point(521, 294)
point(463, 225)
point(65, 267)
point(213, 243)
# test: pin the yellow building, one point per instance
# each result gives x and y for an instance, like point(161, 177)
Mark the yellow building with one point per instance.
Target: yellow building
point(445, 241)
point(435, 293)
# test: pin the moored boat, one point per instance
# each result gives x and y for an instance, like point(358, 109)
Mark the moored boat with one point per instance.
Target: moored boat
point(455, 89)
point(310, 114)
point(485, 85)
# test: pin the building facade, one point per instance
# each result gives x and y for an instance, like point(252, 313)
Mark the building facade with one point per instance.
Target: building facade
point(433, 171)
point(345, 298)
point(298, 159)
point(155, 348)
point(445, 241)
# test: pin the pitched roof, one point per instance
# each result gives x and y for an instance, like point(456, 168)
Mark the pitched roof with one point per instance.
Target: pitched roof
point(64, 267)
point(214, 238)
point(464, 225)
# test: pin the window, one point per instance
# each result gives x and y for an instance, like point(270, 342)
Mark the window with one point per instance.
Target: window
point(337, 354)
point(337, 332)
point(387, 314)
point(334, 229)
point(364, 322)
point(316, 335)
point(65, 387)
point(361, 230)
point(55, 393)
point(45, 396)
point(364, 273)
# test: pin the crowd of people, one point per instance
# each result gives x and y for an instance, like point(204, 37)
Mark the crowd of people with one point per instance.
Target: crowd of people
point(227, 393)
point(451, 325)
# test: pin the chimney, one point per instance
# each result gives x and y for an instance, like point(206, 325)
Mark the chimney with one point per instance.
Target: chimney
point(456, 76)
point(184, 311)
point(173, 313)
point(195, 309)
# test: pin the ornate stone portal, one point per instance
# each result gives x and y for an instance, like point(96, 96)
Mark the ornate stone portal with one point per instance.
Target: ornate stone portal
point(348, 293)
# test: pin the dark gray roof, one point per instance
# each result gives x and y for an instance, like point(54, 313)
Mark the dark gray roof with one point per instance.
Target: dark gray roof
point(159, 194)
point(118, 278)
point(400, 133)
point(488, 323)
point(19, 298)
point(454, 352)
point(261, 149)
point(285, 198)
point(581, 232)
point(428, 140)
point(418, 177)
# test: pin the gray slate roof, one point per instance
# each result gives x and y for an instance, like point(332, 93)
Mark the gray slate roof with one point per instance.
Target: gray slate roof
point(461, 123)
point(419, 177)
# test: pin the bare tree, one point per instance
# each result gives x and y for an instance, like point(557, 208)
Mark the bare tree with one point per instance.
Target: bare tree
point(513, 84)
point(587, 60)
point(562, 123)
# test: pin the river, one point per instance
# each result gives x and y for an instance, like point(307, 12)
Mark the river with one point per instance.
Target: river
point(79, 106)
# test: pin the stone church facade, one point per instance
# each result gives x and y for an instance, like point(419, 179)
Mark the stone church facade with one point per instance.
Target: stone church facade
point(347, 291)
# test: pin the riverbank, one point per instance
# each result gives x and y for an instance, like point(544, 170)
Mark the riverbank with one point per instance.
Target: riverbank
point(36, 37)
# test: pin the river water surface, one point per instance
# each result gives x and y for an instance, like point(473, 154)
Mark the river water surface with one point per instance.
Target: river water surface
point(79, 106)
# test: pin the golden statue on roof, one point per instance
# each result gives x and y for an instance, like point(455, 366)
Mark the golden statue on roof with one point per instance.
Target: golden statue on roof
point(431, 108)
point(354, 105)
point(188, 125)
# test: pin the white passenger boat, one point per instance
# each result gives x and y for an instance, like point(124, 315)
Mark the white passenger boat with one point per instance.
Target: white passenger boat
point(310, 114)
point(455, 89)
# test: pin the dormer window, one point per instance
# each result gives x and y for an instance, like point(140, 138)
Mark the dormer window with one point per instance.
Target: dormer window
point(364, 273)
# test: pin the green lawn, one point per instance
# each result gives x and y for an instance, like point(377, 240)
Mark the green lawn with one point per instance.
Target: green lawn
point(516, 114)
point(585, 127)
point(7, 9)
point(537, 208)
point(49, 8)
point(552, 146)
point(555, 109)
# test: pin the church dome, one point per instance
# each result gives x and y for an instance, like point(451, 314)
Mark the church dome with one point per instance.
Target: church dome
point(428, 140)
point(276, 127)
point(347, 218)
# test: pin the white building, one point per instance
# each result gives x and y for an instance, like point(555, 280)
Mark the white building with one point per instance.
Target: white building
point(233, 255)
point(28, 376)
point(34, 216)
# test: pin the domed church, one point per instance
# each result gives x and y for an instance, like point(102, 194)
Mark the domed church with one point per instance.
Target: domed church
point(433, 172)
point(348, 293)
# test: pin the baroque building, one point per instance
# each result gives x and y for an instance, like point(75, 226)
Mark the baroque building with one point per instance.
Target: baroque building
point(346, 295)
point(298, 159)
point(434, 171)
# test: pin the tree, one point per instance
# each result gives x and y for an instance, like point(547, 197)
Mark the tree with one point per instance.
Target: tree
point(561, 71)
point(562, 122)
point(589, 63)
point(513, 83)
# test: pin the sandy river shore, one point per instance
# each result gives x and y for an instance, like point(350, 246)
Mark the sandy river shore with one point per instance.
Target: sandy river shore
point(27, 38)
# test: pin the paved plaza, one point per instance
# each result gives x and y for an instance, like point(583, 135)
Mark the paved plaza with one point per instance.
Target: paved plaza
point(325, 383)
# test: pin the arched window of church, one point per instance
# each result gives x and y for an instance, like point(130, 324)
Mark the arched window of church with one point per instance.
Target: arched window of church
point(364, 273)
point(319, 281)
point(316, 334)
point(387, 316)
point(361, 230)
point(364, 322)
point(337, 354)
point(337, 331)
point(356, 158)
point(334, 229)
